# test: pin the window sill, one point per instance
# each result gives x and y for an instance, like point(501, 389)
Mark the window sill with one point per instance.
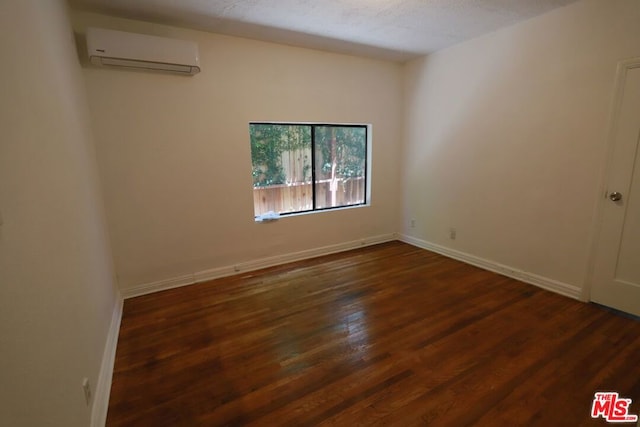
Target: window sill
point(317, 211)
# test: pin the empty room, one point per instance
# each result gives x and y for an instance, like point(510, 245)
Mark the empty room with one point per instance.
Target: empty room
point(252, 212)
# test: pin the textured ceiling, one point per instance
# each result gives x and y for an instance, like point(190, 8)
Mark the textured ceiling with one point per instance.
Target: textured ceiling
point(388, 29)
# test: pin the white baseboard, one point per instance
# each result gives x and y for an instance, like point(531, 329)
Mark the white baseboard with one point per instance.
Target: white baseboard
point(230, 270)
point(103, 387)
point(523, 276)
point(160, 285)
point(216, 273)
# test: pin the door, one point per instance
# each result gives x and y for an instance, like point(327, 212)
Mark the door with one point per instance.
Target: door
point(616, 269)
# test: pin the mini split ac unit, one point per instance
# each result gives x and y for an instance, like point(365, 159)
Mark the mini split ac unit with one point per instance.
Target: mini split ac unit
point(111, 48)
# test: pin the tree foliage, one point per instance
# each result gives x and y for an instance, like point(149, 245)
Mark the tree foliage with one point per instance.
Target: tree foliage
point(350, 151)
point(344, 146)
point(268, 142)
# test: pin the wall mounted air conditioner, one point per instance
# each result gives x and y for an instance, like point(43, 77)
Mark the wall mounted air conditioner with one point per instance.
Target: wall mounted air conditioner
point(111, 48)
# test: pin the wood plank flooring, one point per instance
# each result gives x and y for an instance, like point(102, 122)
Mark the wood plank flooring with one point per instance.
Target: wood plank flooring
point(384, 335)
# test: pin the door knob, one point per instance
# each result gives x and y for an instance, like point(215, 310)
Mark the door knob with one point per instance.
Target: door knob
point(615, 196)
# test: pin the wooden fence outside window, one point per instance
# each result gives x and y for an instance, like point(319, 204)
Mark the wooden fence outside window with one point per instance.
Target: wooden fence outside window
point(297, 197)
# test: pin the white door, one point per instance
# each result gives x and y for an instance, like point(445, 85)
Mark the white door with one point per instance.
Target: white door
point(616, 269)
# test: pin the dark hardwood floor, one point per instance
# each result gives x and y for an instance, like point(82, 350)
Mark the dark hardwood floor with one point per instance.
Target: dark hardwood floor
point(385, 335)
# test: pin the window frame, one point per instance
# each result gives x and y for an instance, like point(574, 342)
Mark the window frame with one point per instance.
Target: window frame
point(314, 209)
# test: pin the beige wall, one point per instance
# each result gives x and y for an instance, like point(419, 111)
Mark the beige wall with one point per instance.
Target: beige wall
point(505, 137)
point(174, 152)
point(57, 295)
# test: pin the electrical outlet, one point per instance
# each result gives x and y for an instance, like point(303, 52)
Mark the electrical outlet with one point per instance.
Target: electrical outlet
point(452, 233)
point(86, 387)
point(412, 223)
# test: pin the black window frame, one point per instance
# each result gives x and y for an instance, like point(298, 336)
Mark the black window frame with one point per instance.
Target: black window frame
point(313, 163)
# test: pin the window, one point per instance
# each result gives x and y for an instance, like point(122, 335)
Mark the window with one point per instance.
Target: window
point(307, 167)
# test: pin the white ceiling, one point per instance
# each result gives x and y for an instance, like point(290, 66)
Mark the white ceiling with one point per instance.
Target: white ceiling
point(388, 29)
